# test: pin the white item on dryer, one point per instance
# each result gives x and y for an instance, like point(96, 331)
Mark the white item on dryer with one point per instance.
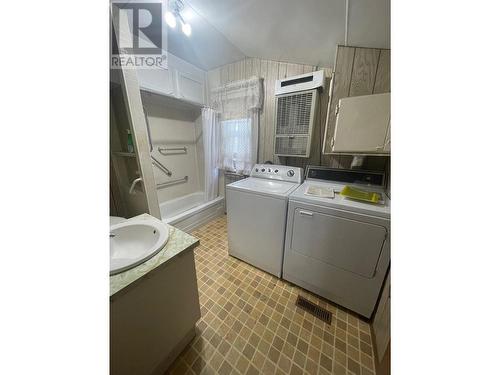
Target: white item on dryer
point(320, 191)
point(256, 215)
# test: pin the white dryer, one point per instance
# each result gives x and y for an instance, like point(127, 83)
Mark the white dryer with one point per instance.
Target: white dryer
point(256, 215)
point(336, 247)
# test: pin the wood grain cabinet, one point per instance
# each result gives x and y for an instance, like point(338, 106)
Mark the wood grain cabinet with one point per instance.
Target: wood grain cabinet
point(363, 124)
point(359, 72)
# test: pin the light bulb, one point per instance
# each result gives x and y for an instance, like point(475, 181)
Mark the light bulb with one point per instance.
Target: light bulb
point(186, 29)
point(170, 19)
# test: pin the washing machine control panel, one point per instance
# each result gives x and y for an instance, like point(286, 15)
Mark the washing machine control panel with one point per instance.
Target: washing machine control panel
point(278, 172)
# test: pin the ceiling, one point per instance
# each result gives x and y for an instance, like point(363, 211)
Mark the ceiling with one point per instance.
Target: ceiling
point(206, 48)
point(298, 31)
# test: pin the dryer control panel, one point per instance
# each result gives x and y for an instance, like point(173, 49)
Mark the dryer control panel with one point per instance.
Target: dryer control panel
point(278, 172)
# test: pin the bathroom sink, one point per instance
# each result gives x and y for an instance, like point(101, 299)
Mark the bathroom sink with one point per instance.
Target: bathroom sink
point(134, 241)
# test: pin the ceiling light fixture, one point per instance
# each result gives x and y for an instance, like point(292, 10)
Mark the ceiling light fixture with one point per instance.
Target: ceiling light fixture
point(186, 29)
point(174, 12)
point(170, 19)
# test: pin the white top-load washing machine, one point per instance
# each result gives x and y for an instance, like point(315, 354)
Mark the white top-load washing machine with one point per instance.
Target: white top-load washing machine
point(256, 215)
point(337, 247)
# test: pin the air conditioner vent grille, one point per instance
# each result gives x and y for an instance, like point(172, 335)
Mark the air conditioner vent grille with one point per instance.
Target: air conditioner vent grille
point(293, 113)
point(296, 145)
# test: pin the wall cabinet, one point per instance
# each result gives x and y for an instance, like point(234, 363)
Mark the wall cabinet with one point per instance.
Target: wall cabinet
point(387, 143)
point(159, 81)
point(363, 124)
point(190, 87)
point(181, 80)
point(358, 72)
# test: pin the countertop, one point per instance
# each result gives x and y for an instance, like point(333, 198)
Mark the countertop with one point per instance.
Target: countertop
point(178, 242)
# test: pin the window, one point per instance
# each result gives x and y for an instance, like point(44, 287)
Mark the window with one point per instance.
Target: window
point(238, 104)
point(236, 144)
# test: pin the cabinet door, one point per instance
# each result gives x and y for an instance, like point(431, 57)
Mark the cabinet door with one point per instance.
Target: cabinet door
point(387, 143)
point(157, 80)
point(352, 245)
point(191, 87)
point(362, 123)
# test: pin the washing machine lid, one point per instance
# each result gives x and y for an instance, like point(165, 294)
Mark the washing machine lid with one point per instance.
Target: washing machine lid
point(265, 186)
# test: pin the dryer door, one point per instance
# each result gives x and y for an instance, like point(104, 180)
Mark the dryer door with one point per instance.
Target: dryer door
point(349, 244)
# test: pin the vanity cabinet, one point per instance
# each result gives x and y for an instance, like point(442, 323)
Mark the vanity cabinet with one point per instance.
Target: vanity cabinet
point(181, 80)
point(363, 124)
point(154, 319)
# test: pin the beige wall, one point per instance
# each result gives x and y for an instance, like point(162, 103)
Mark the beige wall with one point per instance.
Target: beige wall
point(270, 71)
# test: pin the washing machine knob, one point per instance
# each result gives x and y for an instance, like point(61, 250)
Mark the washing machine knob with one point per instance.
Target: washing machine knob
point(290, 173)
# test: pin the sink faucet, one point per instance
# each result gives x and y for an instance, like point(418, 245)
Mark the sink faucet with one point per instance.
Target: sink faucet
point(131, 190)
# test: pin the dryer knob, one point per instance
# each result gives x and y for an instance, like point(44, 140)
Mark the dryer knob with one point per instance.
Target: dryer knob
point(290, 173)
point(263, 170)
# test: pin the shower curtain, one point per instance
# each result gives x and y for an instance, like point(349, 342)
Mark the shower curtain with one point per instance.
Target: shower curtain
point(211, 147)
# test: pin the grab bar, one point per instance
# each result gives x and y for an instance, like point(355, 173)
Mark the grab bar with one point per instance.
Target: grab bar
point(132, 187)
point(165, 150)
point(155, 161)
point(161, 166)
point(173, 182)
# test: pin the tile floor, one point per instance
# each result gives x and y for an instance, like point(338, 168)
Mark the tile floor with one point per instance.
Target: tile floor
point(250, 324)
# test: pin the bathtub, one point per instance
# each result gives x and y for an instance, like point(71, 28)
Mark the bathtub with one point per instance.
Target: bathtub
point(191, 211)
